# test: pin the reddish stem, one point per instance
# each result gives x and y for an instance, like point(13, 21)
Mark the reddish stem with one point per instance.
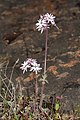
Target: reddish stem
point(45, 51)
point(45, 64)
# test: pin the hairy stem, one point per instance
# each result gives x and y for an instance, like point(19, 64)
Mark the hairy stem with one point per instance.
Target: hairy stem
point(45, 51)
point(42, 90)
point(36, 93)
point(45, 64)
point(36, 88)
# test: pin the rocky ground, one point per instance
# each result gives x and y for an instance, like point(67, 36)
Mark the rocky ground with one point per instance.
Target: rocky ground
point(20, 39)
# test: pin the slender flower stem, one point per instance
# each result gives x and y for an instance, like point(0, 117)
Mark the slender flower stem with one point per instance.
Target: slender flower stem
point(42, 90)
point(45, 64)
point(36, 93)
point(46, 51)
point(36, 88)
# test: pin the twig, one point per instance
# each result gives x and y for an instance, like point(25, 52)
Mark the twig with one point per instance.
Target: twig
point(10, 80)
point(6, 85)
point(6, 68)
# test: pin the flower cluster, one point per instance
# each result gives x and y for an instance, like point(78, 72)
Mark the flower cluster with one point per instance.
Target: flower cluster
point(45, 21)
point(30, 64)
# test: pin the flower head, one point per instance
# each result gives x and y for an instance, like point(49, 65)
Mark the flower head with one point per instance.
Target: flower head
point(45, 21)
point(41, 25)
point(30, 64)
point(35, 68)
point(50, 18)
point(25, 66)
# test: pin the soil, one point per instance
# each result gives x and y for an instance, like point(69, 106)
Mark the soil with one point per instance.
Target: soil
point(20, 39)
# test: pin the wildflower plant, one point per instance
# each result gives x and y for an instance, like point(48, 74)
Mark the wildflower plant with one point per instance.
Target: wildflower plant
point(32, 65)
point(44, 24)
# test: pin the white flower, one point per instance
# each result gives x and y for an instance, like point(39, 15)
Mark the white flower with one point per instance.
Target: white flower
point(41, 25)
point(25, 66)
point(35, 68)
point(50, 18)
point(30, 64)
point(30, 61)
point(45, 21)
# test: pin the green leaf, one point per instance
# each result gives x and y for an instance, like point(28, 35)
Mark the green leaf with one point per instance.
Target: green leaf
point(57, 106)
